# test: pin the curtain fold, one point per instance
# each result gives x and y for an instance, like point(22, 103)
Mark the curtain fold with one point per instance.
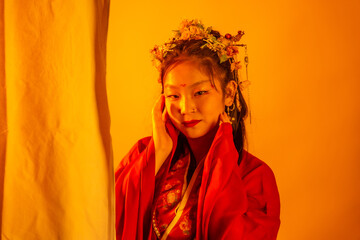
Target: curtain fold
point(56, 167)
point(3, 126)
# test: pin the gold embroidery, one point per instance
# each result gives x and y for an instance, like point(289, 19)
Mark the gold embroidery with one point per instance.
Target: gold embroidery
point(185, 225)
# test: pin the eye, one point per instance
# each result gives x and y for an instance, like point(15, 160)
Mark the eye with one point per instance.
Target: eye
point(172, 96)
point(199, 93)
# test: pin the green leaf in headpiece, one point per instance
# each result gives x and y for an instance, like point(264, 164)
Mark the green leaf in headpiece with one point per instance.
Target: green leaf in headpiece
point(223, 58)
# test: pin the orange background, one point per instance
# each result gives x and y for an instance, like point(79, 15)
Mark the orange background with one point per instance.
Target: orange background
point(304, 58)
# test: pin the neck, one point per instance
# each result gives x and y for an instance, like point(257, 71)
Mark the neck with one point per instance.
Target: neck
point(200, 146)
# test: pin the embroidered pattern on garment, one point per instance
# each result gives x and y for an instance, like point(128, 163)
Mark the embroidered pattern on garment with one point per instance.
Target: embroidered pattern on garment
point(168, 223)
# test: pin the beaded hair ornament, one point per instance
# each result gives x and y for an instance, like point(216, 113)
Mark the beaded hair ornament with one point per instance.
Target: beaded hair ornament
point(225, 46)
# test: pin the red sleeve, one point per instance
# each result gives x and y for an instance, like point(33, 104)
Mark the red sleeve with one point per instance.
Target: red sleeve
point(236, 201)
point(263, 212)
point(134, 189)
point(248, 207)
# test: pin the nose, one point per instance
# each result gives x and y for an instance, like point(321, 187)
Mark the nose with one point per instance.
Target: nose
point(187, 105)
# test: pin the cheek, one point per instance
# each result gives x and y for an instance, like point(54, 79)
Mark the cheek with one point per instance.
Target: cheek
point(212, 106)
point(171, 109)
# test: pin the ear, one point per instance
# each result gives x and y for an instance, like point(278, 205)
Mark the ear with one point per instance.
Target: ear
point(230, 91)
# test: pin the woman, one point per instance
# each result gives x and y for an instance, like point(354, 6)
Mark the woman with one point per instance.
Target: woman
point(192, 179)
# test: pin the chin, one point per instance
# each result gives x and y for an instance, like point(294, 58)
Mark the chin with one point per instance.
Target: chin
point(194, 133)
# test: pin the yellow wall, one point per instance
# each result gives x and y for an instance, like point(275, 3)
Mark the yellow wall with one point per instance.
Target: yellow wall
point(304, 58)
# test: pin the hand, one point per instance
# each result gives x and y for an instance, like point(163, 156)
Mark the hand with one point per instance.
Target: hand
point(162, 140)
point(224, 118)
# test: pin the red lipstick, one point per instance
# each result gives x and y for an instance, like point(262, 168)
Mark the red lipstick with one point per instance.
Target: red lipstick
point(190, 123)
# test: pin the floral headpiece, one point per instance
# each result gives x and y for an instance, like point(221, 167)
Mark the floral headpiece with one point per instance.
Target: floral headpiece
point(225, 46)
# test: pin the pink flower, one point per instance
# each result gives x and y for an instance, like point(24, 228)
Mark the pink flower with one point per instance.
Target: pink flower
point(244, 84)
point(235, 66)
point(195, 30)
point(157, 64)
point(184, 24)
point(231, 51)
point(185, 35)
point(157, 52)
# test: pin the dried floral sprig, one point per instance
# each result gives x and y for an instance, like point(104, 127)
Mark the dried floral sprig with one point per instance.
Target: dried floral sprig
point(225, 46)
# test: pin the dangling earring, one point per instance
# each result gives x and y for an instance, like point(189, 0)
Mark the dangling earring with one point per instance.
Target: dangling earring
point(228, 111)
point(232, 108)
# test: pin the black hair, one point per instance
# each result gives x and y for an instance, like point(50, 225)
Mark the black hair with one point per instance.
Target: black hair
point(209, 62)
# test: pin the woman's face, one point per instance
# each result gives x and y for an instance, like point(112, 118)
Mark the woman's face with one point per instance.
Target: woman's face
point(192, 102)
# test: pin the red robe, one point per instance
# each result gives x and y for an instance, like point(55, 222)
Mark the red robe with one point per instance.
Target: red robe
point(235, 201)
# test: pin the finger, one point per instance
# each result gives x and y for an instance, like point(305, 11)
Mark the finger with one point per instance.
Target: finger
point(160, 103)
point(165, 115)
point(162, 98)
point(157, 109)
point(224, 118)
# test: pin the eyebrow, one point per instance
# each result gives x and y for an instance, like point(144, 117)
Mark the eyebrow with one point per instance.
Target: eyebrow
point(192, 85)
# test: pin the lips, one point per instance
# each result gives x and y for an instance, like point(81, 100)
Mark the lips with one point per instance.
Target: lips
point(190, 123)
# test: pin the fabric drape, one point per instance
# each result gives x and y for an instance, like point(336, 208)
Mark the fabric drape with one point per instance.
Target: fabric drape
point(56, 171)
point(235, 201)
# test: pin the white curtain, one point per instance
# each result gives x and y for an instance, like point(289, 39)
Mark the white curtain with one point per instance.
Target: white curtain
point(56, 171)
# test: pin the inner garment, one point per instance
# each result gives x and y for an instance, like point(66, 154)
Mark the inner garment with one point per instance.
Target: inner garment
point(174, 214)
